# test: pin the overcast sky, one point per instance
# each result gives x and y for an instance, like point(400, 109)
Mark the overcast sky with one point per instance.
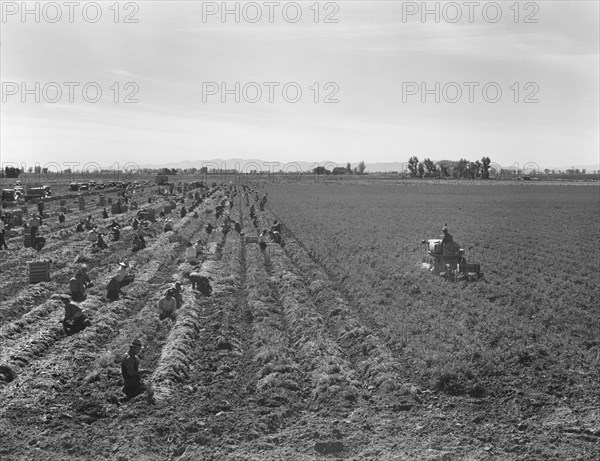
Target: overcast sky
point(367, 61)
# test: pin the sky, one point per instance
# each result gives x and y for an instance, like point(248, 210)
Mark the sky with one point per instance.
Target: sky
point(345, 81)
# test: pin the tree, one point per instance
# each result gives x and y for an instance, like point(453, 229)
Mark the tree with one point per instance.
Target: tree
point(430, 167)
point(12, 172)
point(361, 167)
point(474, 169)
point(37, 169)
point(421, 169)
point(485, 168)
point(461, 168)
point(30, 170)
point(413, 165)
point(546, 171)
point(45, 170)
point(348, 168)
point(339, 170)
point(321, 170)
point(583, 171)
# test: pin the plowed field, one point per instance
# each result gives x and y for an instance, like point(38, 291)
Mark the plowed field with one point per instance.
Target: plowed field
point(335, 346)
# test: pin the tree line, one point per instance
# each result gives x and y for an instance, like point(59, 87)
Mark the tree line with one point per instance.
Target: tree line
point(462, 169)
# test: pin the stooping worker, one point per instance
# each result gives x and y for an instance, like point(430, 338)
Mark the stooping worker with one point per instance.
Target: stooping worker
point(104, 214)
point(113, 289)
point(167, 306)
point(2, 233)
point(75, 320)
point(130, 364)
point(79, 283)
point(61, 217)
point(200, 282)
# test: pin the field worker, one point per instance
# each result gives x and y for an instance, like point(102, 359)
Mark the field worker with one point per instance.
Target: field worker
point(132, 382)
point(177, 289)
point(138, 243)
point(92, 235)
point(100, 243)
point(40, 206)
point(82, 282)
point(113, 289)
point(123, 276)
point(446, 237)
point(168, 226)
point(34, 224)
point(276, 227)
point(135, 224)
point(104, 214)
point(167, 306)
point(183, 212)
point(276, 236)
point(2, 233)
point(198, 247)
point(61, 218)
point(75, 320)
point(190, 253)
point(88, 223)
point(80, 226)
point(200, 283)
point(262, 240)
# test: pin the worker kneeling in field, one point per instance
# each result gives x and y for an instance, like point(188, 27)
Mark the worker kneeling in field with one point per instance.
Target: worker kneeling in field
point(123, 276)
point(200, 282)
point(75, 320)
point(132, 381)
point(167, 306)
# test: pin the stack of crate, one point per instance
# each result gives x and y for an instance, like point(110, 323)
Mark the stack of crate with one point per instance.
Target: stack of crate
point(39, 271)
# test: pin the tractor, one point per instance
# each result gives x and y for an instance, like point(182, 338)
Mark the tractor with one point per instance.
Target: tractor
point(448, 261)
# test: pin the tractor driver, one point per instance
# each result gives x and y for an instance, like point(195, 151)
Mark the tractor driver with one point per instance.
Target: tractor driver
point(446, 237)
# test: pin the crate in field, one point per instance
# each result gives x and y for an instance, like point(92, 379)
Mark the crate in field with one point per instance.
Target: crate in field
point(39, 271)
point(27, 240)
point(251, 239)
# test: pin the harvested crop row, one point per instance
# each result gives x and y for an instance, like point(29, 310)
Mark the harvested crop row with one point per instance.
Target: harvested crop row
point(23, 352)
point(369, 355)
point(41, 311)
point(175, 360)
point(79, 249)
point(278, 366)
point(332, 376)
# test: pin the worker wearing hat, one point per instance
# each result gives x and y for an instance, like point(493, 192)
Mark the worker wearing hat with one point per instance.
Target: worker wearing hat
point(132, 382)
point(446, 237)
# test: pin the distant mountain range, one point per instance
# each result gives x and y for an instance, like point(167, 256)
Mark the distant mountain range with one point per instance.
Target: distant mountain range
point(247, 165)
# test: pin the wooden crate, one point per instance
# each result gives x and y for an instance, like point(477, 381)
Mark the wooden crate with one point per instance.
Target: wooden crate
point(39, 271)
point(251, 239)
point(27, 241)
